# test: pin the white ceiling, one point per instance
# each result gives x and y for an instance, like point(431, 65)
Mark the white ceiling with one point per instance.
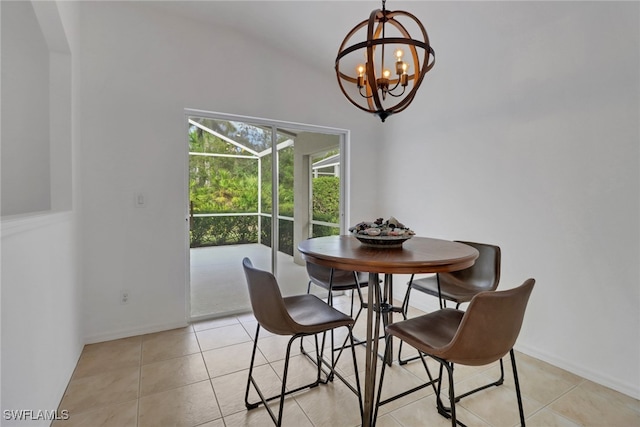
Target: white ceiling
point(309, 30)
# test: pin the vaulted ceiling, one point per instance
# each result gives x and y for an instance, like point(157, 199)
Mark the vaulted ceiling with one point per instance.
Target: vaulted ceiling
point(309, 30)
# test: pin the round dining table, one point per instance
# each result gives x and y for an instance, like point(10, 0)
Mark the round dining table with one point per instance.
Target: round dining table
point(416, 255)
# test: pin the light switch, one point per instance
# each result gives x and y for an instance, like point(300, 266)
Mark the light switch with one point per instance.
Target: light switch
point(140, 200)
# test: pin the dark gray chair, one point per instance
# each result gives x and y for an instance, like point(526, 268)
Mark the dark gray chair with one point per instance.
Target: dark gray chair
point(298, 316)
point(458, 286)
point(485, 333)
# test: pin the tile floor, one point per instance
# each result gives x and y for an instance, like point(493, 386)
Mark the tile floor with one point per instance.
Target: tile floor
point(196, 376)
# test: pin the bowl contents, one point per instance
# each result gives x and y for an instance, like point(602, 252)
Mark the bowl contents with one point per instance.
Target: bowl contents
point(389, 228)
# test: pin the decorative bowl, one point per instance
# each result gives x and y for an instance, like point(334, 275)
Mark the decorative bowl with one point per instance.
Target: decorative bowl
point(382, 241)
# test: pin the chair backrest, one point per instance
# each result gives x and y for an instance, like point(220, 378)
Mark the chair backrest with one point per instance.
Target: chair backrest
point(483, 275)
point(322, 275)
point(266, 300)
point(490, 326)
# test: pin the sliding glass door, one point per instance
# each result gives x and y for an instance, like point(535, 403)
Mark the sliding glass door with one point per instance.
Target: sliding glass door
point(254, 191)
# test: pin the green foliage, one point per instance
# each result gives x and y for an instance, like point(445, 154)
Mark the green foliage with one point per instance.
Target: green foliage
point(220, 184)
point(225, 230)
point(326, 199)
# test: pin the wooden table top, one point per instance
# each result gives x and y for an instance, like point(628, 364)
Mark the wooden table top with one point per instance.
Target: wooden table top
point(417, 255)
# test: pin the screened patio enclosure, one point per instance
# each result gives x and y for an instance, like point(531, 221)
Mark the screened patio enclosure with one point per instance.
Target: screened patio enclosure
point(256, 189)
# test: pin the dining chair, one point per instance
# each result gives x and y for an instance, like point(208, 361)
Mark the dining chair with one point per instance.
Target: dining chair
point(482, 335)
point(296, 316)
point(458, 286)
point(336, 280)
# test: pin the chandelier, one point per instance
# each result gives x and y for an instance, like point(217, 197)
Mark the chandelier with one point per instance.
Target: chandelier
point(375, 86)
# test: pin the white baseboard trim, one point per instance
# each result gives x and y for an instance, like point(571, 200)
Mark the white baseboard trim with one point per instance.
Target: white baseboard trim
point(621, 386)
point(132, 332)
point(220, 315)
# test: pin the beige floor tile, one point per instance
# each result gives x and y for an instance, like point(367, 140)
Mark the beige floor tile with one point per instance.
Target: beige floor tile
point(496, 405)
point(247, 317)
point(223, 336)
point(274, 348)
point(172, 373)
point(424, 413)
point(230, 389)
point(215, 423)
point(301, 371)
point(110, 355)
point(538, 380)
point(330, 404)
point(612, 394)
point(259, 417)
point(387, 421)
point(461, 372)
point(185, 330)
point(398, 380)
point(234, 358)
point(548, 418)
point(119, 415)
point(215, 323)
point(345, 362)
point(590, 404)
point(168, 346)
point(250, 327)
point(99, 390)
point(187, 406)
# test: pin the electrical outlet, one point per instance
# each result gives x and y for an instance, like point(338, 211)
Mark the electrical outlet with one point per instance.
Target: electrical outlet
point(124, 297)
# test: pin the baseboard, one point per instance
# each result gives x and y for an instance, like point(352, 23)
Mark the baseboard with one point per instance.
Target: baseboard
point(220, 315)
point(623, 387)
point(126, 333)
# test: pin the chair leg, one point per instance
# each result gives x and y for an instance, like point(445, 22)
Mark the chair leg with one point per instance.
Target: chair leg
point(517, 383)
point(497, 383)
point(405, 309)
point(431, 382)
point(358, 390)
point(283, 392)
point(387, 349)
point(250, 377)
point(452, 395)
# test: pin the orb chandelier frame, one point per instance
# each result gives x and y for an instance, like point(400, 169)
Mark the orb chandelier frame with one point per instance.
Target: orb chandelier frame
point(379, 92)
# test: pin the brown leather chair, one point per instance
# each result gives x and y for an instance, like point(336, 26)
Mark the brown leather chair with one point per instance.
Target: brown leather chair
point(297, 316)
point(458, 286)
point(334, 279)
point(483, 334)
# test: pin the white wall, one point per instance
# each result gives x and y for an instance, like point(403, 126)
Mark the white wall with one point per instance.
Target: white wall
point(141, 67)
point(41, 337)
point(526, 134)
point(41, 321)
point(25, 112)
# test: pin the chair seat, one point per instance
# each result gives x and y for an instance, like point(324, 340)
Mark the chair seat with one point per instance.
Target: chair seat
point(430, 333)
point(313, 315)
point(342, 280)
point(448, 291)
